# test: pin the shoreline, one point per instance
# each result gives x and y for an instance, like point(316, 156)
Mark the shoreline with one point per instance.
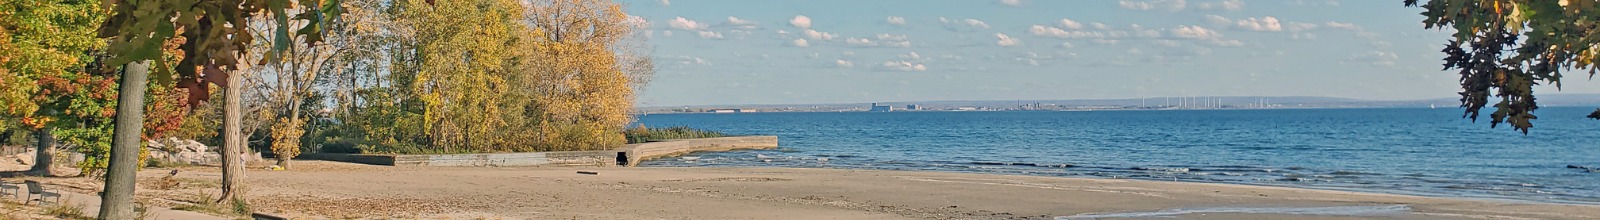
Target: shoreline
point(1477, 197)
point(361, 191)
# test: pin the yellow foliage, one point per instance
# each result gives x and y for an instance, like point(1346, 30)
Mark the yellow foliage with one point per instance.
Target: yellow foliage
point(286, 137)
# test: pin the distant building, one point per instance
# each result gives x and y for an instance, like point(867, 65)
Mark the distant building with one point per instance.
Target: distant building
point(913, 107)
point(881, 108)
point(966, 109)
point(725, 110)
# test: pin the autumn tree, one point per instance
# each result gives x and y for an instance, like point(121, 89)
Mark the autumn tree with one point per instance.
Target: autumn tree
point(583, 72)
point(45, 47)
point(284, 87)
point(1503, 48)
point(213, 39)
point(460, 68)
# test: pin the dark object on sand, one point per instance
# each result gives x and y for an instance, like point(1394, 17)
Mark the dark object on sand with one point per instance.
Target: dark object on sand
point(266, 216)
point(589, 172)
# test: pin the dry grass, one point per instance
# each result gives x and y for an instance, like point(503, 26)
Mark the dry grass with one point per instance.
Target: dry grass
point(65, 212)
point(201, 202)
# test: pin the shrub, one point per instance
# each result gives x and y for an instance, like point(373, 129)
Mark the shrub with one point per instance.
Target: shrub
point(641, 134)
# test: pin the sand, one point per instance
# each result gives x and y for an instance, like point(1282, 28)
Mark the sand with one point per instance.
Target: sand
point(328, 190)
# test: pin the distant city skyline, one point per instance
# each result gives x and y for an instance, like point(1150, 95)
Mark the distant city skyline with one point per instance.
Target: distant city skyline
point(836, 51)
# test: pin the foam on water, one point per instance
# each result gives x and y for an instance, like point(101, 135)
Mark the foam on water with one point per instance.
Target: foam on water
point(1329, 210)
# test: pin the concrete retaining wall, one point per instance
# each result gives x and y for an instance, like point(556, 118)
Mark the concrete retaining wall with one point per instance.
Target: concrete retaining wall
point(565, 158)
point(629, 155)
point(635, 153)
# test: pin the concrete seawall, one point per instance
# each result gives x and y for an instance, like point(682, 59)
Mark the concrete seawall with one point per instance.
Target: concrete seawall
point(563, 158)
point(629, 155)
point(635, 153)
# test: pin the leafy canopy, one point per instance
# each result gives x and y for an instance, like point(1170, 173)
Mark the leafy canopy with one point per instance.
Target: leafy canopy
point(1505, 47)
point(215, 33)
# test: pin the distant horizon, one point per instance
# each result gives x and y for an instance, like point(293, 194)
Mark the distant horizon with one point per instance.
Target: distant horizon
point(835, 51)
point(1544, 97)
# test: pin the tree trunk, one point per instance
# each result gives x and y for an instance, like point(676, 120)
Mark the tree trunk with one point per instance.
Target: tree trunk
point(44, 156)
point(117, 201)
point(232, 138)
point(283, 162)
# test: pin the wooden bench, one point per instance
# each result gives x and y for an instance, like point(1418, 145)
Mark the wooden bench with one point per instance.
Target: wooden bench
point(34, 188)
point(15, 190)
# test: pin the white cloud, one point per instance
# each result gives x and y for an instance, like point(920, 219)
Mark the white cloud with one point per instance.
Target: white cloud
point(818, 35)
point(1066, 45)
point(1227, 43)
point(1303, 36)
point(1375, 58)
point(1168, 43)
point(1145, 33)
point(742, 23)
point(968, 24)
point(666, 33)
point(897, 20)
point(665, 3)
point(1313, 3)
point(688, 60)
point(1012, 3)
point(891, 37)
point(911, 56)
point(1265, 24)
point(1101, 26)
point(1298, 27)
point(710, 35)
point(1195, 32)
point(1070, 24)
point(976, 23)
point(1005, 41)
point(843, 64)
point(890, 40)
point(862, 42)
point(681, 23)
point(1346, 26)
point(1218, 20)
point(800, 43)
point(1145, 5)
point(1105, 41)
point(801, 21)
point(903, 66)
point(1225, 5)
point(636, 22)
point(1041, 30)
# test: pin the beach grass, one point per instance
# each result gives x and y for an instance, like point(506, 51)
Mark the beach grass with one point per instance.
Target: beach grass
point(643, 134)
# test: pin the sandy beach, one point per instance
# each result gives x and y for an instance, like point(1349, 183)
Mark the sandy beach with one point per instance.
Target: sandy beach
point(330, 190)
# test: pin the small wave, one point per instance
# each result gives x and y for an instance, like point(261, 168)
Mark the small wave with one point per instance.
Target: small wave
point(1353, 173)
point(1164, 169)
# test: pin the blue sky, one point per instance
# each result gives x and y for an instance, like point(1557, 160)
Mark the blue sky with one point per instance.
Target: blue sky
point(853, 51)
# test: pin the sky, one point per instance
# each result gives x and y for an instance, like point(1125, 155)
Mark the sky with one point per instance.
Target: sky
point(729, 52)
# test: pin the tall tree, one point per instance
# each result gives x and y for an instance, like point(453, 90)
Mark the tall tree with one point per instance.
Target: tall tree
point(1504, 48)
point(44, 49)
point(213, 38)
point(461, 67)
point(584, 71)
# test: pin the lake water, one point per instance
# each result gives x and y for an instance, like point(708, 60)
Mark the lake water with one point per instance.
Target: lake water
point(1404, 150)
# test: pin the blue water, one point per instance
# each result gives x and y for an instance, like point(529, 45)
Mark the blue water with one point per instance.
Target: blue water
point(1404, 150)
